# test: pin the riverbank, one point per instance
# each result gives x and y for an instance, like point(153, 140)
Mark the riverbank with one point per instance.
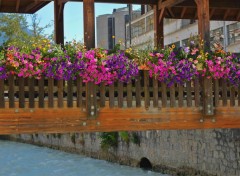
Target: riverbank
point(185, 152)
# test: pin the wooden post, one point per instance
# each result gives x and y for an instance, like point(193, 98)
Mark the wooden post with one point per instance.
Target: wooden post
point(89, 40)
point(89, 23)
point(207, 96)
point(158, 26)
point(58, 22)
point(204, 22)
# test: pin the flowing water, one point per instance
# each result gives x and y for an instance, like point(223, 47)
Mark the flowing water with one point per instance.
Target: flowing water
point(17, 159)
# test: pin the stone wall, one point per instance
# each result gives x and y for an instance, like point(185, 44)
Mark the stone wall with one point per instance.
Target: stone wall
point(185, 152)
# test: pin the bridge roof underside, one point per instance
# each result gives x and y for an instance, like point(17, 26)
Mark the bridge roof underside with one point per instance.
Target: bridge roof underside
point(228, 10)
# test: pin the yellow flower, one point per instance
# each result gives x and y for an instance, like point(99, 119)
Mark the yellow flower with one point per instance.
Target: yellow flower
point(173, 46)
point(113, 36)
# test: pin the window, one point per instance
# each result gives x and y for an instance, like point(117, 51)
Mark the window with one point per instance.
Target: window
point(111, 33)
point(150, 21)
point(138, 28)
point(217, 38)
point(233, 33)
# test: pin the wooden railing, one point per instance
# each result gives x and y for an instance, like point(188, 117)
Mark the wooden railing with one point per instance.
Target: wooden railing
point(28, 105)
point(142, 91)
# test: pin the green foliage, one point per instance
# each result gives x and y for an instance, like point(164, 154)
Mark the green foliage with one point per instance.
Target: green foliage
point(124, 136)
point(109, 139)
point(135, 138)
point(18, 32)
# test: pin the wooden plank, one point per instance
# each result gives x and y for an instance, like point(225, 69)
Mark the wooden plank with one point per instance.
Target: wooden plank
point(91, 100)
point(120, 94)
point(11, 91)
point(216, 92)
point(31, 92)
point(41, 93)
point(89, 23)
point(138, 91)
point(60, 93)
point(50, 92)
point(70, 93)
point(189, 93)
point(172, 96)
point(102, 95)
point(146, 89)
point(164, 94)
point(111, 96)
point(180, 95)
point(224, 92)
point(196, 92)
point(21, 93)
point(79, 92)
point(155, 92)
point(116, 119)
point(129, 95)
point(207, 96)
point(2, 101)
point(232, 96)
point(238, 96)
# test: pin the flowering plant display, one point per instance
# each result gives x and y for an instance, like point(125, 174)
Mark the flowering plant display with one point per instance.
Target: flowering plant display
point(170, 65)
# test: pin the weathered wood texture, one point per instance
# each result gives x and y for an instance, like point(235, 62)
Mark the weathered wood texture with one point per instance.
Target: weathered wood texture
point(45, 105)
point(117, 119)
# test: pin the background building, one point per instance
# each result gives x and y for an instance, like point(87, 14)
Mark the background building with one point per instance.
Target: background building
point(111, 28)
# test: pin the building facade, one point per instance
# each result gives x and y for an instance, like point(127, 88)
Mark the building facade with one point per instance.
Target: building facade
point(178, 32)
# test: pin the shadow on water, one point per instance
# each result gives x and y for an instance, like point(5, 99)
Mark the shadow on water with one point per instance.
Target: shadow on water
point(4, 137)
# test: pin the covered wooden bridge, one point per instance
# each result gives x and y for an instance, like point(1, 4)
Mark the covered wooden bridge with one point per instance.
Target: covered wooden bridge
point(47, 105)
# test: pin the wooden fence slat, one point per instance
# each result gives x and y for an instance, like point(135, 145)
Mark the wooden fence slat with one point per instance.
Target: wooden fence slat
point(79, 92)
point(41, 93)
point(21, 92)
point(2, 101)
point(70, 93)
point(172, 96)
point(50, 92)
point(120, 94)
point(216, 92)
point(155, 92)
point(146, 89)
point(91, 100)
point(60, 93)
point(232, 96)
point(11, 91)
point(180, 95)
point(164, 94)
point(111, 95)
point(31, 92)
point(224, 92)
point(189, 94)
point(129, 94)
point(207, 96)
point(102, 95)
point(196, 92)
point(138, 91)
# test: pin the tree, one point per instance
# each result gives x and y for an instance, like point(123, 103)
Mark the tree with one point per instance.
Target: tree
point(18, 32)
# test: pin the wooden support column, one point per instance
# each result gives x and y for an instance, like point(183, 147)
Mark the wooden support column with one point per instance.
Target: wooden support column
point(204, 22)
point(89, 40)
point(158, 26)
point(89, 23)
point(59, 21)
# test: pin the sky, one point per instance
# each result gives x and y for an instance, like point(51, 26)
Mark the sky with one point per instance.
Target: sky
point(73, 17)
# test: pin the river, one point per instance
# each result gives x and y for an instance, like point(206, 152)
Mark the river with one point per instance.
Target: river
point(17, 159)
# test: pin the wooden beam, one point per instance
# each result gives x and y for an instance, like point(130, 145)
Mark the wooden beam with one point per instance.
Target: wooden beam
point(17, 5)
point(158, 27)
point(169, 3)
point(30, 6)
point(89, 23)
point(171, 12)
point(66, 120)
point(211, 13)
point(183, 12)
point(238, 16)
point(59, 22)
point(226, 14)
point(204, 22)
point(146, 2)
